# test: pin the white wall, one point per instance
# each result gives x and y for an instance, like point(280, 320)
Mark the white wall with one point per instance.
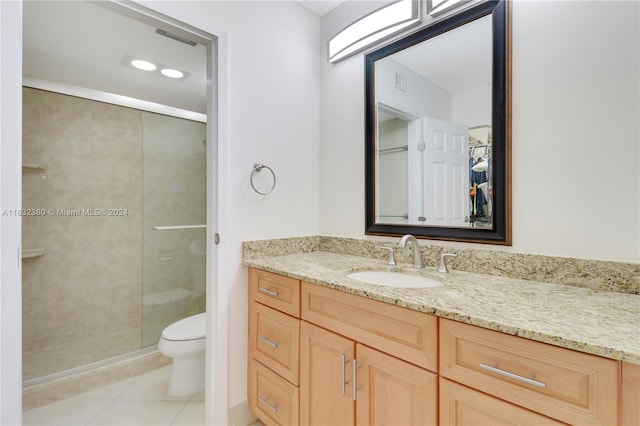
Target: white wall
point(576, 155)
point(274, 115)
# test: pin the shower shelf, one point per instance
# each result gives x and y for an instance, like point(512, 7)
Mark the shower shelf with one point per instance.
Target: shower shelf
point(29, 253)
point(32, 168)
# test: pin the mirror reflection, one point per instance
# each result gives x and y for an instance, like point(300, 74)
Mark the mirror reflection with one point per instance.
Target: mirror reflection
point(434, 131)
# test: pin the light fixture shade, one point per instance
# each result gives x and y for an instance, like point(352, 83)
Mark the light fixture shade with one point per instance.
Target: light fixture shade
point(374, 27)
point(437, 7)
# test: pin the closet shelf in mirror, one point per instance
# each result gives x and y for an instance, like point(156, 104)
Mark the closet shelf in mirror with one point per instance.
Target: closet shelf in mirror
point(28, 253)
point(32, 168)
point(395, 149)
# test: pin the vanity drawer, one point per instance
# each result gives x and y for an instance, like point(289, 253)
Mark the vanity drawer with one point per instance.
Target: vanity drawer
point(570, 386)
point(403, 333)
point(274, 340)
point(271, 398)
point(279, 292)
point(463, 406)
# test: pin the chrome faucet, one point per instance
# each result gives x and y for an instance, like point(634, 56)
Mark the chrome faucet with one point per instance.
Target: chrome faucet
point(417, 254)
point(443, 261)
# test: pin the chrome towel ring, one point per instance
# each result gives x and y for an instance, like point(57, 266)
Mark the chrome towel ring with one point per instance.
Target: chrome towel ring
point(257, 167)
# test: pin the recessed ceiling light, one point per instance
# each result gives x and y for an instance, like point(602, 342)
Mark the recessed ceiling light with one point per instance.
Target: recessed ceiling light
point(143, 65)
point(171, 73)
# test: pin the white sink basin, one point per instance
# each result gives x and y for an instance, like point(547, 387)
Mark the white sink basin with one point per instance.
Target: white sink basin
point(394, 279)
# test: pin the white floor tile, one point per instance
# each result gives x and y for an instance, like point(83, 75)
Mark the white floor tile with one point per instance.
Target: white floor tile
point(109, 392)
point(191, 415)
point(197, 397)
point(139, 413)
point(152, 386)
point(139, 401)
point(67, 412)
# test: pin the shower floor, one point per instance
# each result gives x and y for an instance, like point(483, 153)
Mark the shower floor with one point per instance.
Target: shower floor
point(140, 400)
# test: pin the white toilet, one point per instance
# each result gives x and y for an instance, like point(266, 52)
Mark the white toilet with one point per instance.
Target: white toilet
point(184, 341)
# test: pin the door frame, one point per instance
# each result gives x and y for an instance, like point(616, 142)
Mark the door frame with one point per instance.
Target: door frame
point(216, 404)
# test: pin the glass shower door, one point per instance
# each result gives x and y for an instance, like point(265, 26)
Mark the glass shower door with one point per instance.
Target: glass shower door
point(174, 218)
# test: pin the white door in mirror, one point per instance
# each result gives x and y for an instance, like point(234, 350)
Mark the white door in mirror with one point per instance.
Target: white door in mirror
point(394, 279)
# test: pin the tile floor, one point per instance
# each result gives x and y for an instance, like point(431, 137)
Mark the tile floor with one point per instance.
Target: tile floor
point(140, 400)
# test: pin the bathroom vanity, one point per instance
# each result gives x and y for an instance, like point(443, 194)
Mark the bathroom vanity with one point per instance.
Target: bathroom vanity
point(480, 349)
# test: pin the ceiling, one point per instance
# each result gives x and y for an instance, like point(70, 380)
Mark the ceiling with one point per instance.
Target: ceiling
point(464, 57)
point(320, 7)
point(83, 44)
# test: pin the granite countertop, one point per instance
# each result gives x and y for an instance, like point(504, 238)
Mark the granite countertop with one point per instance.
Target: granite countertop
point(596, 322)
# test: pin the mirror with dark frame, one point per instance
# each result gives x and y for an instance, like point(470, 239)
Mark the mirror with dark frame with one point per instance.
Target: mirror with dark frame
point(437, 145)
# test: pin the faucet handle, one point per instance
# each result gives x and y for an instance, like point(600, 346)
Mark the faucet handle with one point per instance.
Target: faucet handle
point(443, 261)
point(392, 256)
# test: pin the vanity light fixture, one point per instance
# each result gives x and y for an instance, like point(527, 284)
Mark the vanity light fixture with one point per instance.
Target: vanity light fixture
point(374, 27)
point(436, 7)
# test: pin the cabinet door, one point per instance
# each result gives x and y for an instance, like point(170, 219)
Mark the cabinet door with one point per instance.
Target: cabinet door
point(393, 392)
point(325, 377)
point(462, 406)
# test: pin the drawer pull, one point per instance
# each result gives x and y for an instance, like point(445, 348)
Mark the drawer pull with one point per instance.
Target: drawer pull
point(354, 379)
point(344, 382)
point(513, 376)
point(266, 340)
point(268, 292)
point(269, 405)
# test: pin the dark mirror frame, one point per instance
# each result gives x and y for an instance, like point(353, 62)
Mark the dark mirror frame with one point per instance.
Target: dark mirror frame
point(500, 233)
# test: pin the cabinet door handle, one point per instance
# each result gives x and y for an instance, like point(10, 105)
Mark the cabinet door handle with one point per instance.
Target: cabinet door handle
point(354, 379)
point(269, 405)
point(527, 380)
point(343, 381)
point(266, 340)
point(268, 292)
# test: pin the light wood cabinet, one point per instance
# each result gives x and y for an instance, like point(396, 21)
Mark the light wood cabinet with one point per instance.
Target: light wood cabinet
point(566, 385)
point(462, 406)
point(326, 394)
point(279, 292)
point(274, 348)
point(273, 399)
point(319, 356)
point(344, 383)
point(404, 333)
point(274, 340)
point(630, 395)
point(393, 392)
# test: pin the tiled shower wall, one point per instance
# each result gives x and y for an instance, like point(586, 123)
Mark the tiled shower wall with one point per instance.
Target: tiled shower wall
point(82, 299)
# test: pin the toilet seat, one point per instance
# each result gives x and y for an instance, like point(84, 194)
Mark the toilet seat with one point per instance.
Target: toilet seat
point(190, 328)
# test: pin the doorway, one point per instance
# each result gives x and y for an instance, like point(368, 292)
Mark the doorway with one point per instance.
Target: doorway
point(213, 39)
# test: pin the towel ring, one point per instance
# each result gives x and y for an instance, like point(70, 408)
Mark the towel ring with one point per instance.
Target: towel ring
point(257, 167)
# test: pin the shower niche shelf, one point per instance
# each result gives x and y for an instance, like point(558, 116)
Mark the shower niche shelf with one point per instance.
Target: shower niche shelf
point(30, 253)
point(32, 168)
